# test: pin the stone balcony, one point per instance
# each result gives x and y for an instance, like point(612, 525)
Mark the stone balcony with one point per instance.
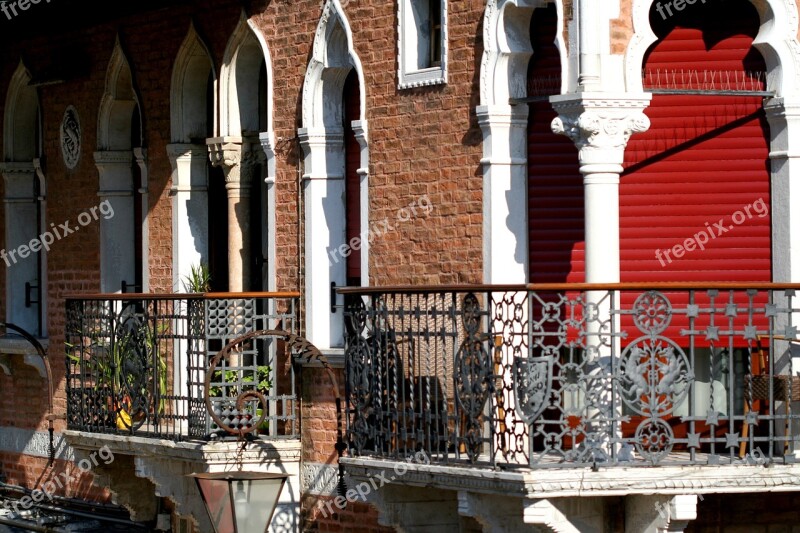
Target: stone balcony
point(531, 406)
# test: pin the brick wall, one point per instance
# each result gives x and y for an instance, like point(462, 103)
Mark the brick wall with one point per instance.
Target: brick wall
point(747, 513)
point(357, 517)
point(66, 478)
point(423, 142)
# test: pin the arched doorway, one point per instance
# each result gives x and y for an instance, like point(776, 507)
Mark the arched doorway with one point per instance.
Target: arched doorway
point(334, 142)
point(192, 118)
point(24, 205)
point(245, 128)
point(120, 161)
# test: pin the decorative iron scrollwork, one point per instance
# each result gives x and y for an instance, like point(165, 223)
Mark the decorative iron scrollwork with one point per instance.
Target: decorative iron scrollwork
point(473, 374)
point(132, 358)
point(655, 376)
point(302, 349)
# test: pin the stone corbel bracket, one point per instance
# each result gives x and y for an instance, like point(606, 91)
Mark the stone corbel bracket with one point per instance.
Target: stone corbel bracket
point(14, 347)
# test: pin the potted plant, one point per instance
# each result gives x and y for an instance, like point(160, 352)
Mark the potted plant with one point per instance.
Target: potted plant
point(198, 280)
point(124, 367)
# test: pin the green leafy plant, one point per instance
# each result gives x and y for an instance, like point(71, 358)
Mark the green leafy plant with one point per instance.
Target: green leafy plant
point(264, 379)
point(114, 366)
point(263, 373)
point(261, 381)
point(198, 280)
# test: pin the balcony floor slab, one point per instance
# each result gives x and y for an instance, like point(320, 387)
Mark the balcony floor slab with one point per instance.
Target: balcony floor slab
point(571, 482)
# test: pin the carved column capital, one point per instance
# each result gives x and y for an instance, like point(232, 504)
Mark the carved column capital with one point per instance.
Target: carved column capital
point(18, 180)
point(600, 126)
point(238, 157)
point(225, 152)
point(601, 129)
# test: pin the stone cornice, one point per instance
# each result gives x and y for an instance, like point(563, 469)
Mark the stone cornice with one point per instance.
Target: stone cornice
point(261, 451)
point(113, 157)
point(566, 482)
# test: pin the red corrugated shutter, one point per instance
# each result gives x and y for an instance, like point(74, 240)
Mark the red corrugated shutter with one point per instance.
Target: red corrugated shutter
point(555, 186)
point(704, 159)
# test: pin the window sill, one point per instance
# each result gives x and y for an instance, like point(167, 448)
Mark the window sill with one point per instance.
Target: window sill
point(423, 78)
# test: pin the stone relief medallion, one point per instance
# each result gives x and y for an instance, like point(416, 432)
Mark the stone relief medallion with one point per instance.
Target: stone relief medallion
point(70, 133)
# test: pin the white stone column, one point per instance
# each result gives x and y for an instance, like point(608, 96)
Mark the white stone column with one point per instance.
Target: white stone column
point(237, 157)
point(325, 232)
point(600, 126)
point(267, 140)
point(21, 227)
point(43, 279)
point(140, 156)
point(189, 230)
point(783, 115)
point(588, 14)
point(189, 209)
point(117, 238)
point(362, 137)
point(505, 193)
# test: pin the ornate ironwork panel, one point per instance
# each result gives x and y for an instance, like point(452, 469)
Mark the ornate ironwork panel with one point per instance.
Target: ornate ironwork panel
point(137, 364)
point(564, 377)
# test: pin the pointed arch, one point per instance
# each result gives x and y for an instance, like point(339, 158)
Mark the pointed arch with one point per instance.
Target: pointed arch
point(504, 76)
point(779, 46)
point(507, 49)
point(325, 141)
point(118, 104)
point(21, 118)
point(25, 206)
point(331, 60)
point(188, 92)
point(240, 85)
point(776, 40)
point(122, 167)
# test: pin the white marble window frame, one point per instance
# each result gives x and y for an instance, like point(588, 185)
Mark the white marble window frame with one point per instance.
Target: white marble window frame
point(409, 75)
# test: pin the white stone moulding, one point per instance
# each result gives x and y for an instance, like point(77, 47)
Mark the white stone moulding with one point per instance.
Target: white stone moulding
point(409, 34)
point(34, 443)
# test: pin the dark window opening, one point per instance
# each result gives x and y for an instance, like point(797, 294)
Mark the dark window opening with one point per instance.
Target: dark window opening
point(435, 59)
point(217, 208)
point(136, 285)
point(351, 99)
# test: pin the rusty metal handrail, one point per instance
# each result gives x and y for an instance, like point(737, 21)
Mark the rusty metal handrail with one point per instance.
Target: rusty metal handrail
point(552, 287)
point(181, 295)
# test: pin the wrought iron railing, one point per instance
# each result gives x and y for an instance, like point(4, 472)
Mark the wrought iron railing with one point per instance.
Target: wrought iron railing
point(137, 364)
point(573, 375)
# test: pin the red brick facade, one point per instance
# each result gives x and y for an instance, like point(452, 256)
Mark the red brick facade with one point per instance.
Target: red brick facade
point(422, 142)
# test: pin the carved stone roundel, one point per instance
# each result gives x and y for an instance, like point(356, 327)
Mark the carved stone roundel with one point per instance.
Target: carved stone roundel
point(70, 133)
